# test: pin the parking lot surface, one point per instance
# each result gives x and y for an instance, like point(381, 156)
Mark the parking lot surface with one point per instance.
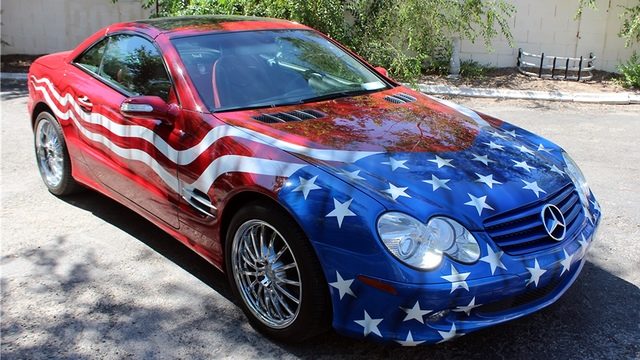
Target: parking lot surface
point(83, 277)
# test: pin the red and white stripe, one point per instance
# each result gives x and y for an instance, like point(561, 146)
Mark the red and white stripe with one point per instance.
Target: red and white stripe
point(86, 122)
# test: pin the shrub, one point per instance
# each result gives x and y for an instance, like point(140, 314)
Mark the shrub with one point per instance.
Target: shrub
point(473, 69)
point(630, 71)
point(405, 36)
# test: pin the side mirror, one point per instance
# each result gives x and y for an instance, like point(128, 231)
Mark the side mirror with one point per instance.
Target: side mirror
point(382, 71)
point(149, 107)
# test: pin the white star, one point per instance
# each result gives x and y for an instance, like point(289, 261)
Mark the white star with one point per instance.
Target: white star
point(525, 149)
point(566, 263)
point(479, 203)
point(584, 244)
point(556, 170)
point(498, 135)
point(542, 148)
point(493, 259)
point(494, 146)
point(415, 313)
point(306, 185)
point(448, 335)
point(396, 192)
point(512, 133)
point(437, 183)
point(409, 341)
point(487, 180)
point(442, 162)
point(536, 273)
point(343, 286)
point(341, 210)
point(481, 158)
point(533, 186)
point(353, 175)
point(523, 164)
point(370, 325)
point(395, 164)
point(467, 309)
point(457, 280)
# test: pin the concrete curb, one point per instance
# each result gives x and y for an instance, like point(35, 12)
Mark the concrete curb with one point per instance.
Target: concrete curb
point(623, 98)
point(13, 76)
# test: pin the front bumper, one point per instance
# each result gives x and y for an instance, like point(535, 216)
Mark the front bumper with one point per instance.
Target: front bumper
point(411, 314)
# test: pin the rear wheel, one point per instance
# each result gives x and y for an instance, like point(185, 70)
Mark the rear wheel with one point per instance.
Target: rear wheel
point(275, 274)
point(52, 156)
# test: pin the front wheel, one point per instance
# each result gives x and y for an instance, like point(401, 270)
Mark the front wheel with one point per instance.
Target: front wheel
point(52, 156)
point(275, 274)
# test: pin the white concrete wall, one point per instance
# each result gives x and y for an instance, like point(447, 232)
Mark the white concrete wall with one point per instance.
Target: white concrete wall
point(46, 26)
point(549, 26)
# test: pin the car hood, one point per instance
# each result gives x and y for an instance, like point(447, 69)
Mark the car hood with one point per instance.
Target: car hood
point(53, 61)
point(424, 157)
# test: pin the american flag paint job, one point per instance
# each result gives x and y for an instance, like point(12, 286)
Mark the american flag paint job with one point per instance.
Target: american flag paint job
point(336, 176)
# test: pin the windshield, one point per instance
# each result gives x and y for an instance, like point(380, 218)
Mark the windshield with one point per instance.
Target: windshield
point(242, 70)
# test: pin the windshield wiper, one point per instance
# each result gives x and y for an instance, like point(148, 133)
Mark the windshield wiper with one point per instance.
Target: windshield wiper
point(330, 96)
point(336, 95)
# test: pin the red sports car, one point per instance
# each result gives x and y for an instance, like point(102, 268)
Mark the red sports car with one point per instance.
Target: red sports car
point(328, 193)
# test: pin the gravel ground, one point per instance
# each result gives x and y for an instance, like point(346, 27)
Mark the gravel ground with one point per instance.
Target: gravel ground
point(83, 277)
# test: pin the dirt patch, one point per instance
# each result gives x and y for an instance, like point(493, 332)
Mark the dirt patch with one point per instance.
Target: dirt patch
point(510, 78)
point(16, 63)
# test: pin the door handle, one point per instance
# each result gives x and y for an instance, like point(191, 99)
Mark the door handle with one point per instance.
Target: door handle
point(85, 103)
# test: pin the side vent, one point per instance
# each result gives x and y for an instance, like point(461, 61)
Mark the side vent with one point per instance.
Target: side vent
point(199, 201)
point(296, 115)
point(400, 98)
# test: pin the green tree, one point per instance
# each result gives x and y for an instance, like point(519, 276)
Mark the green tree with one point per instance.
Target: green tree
point(402, 35)
point(630, 29)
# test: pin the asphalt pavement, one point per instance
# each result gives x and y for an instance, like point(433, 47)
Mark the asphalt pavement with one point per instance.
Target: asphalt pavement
point(85, 278)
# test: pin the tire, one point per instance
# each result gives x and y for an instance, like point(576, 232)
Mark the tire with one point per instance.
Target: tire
point(52, 156)
point(269, 303)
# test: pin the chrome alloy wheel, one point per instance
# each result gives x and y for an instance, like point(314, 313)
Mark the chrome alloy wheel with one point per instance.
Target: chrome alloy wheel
point(266, 274)
point(49, 153)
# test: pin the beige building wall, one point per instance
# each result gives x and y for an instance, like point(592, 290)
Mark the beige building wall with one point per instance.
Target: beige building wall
point(549, 26)
point(46, 26)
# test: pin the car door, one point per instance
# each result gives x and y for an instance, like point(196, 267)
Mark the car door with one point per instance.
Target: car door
point(134, 157)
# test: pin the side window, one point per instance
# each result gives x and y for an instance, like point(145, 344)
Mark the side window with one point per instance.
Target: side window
point(91, 58)
point(133, 63)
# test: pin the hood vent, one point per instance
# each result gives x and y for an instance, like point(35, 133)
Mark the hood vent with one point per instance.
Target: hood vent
point(400, 98)
point(296, 115)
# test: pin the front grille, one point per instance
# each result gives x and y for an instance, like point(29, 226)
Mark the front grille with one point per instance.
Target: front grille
point(295, 115)
point(521, 230)
point(528, 297)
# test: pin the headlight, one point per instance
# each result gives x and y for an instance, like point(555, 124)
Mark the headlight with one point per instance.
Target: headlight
point(578, 179)
point(423, 246)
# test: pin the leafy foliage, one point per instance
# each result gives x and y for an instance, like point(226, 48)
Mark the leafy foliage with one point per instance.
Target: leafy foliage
point(630, 16)
point(630, 71)
point(405, 36)
point(473, 69)
point(630, 29)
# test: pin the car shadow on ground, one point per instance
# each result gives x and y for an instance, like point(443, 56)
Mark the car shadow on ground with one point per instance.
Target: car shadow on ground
point(13, 89)
point(597, 318)
point(156, 239)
